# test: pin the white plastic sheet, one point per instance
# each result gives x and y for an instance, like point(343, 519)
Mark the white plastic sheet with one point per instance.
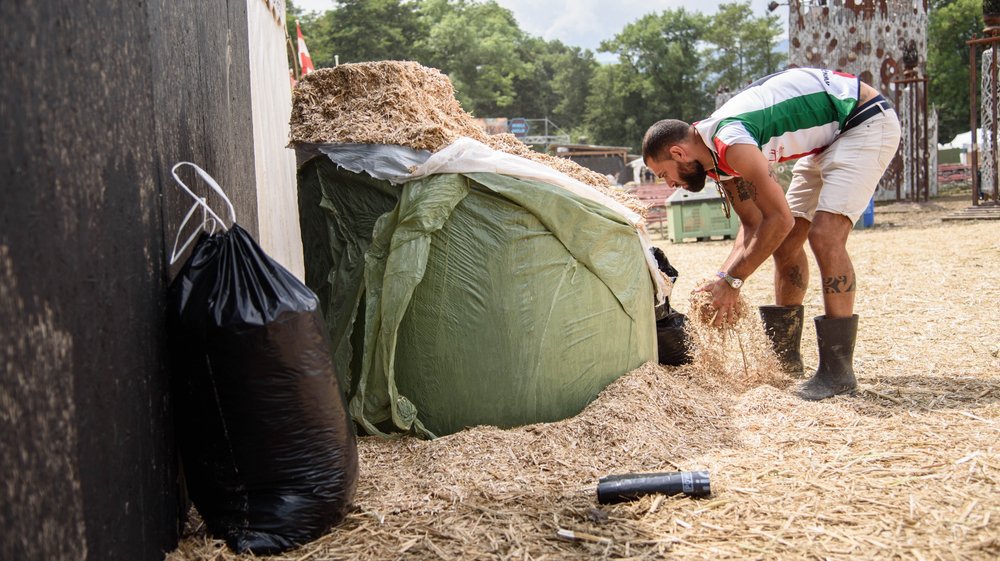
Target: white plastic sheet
point(400, 164)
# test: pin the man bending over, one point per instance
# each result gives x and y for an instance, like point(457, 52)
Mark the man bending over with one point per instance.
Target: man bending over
point(844, 135)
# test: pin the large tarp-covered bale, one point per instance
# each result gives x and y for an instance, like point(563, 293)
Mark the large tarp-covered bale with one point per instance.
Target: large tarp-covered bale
point(494, 300)
point(499, 297)
point(484, 300)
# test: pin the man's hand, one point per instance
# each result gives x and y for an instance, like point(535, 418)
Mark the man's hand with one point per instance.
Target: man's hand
point(725, 300)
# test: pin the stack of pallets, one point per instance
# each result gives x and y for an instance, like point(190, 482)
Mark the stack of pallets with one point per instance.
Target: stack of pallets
point(654, 196)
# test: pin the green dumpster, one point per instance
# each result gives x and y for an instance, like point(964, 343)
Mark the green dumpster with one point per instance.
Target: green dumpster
point(699, 216)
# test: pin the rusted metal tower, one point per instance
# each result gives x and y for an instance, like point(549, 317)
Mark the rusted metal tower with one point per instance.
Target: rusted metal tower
point(871, 39)
point(911, 98)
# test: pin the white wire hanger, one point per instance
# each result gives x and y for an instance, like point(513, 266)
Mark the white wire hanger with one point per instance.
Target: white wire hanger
point(210, 221)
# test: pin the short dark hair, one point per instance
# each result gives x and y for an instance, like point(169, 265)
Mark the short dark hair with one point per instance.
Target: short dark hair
point(661, 136)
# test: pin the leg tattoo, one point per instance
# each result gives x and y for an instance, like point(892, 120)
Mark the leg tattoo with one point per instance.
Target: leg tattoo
point(837, 285)
point(795, 278)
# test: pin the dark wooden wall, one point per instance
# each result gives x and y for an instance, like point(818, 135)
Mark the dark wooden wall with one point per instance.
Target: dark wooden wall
point(97, 100)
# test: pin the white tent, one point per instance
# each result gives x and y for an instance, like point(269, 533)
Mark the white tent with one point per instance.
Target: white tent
point(963, 141)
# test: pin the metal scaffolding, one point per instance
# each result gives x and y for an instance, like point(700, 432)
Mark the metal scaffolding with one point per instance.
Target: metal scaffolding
point(989, 110)
point(911, 100)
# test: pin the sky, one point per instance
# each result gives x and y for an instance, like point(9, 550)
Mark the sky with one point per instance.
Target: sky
point(585, 23)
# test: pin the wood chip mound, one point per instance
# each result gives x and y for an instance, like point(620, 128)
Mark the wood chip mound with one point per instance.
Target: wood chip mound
point(389, 102)
point(407, 104)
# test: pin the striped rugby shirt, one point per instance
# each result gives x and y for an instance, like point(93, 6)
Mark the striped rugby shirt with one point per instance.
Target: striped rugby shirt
point(787, 115)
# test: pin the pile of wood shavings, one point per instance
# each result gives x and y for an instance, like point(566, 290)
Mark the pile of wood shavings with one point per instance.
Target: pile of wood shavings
point(395, 102)
point(407, 104)
point(509, 144)
point(482, 490)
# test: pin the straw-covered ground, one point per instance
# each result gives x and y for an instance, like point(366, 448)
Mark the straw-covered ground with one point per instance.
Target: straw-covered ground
point(909, 468)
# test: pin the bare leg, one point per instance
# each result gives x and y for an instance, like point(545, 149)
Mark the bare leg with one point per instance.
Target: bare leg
point(828, 240)
point(791, 268)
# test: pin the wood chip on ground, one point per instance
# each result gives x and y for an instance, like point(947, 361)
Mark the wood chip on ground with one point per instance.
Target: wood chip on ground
point(909, 468)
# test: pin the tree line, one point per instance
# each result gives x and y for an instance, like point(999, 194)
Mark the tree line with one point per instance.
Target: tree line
point(665, 64)
point(951, 23)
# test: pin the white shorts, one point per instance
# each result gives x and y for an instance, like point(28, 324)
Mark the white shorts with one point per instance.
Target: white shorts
point(842, 178)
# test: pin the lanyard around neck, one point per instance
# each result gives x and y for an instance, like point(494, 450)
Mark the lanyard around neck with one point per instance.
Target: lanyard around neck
point(718, 184)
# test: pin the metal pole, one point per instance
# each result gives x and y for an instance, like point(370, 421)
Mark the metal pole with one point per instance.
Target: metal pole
point(918, 168)
point(973, 148)
point(993, 138)
point(899, 184)
point(918, 132)
point(914, 188)
point(927, 148)
point(909, 132)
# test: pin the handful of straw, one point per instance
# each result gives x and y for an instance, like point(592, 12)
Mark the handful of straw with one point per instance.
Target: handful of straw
point(736, 356)
point(705, 313)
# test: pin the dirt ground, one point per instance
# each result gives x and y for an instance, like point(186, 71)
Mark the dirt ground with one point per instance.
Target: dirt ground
point(908, 468)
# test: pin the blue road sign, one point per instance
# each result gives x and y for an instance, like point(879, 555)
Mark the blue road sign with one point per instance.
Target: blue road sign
point(517, 127)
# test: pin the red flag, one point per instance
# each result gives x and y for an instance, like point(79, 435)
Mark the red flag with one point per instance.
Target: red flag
point(305, 61)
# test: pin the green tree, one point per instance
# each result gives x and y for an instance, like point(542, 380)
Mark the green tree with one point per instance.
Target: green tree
point(951, 23)
point(295, 14)
point(478, 45)
point(615, 112)
point(292, 13)
point(659, 75)
point(741, 47)
point(555, 83)
point(573, 69)
point(366, 30)
point(534, 95)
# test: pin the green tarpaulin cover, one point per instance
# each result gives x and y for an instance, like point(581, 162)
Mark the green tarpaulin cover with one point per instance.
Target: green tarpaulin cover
point(482, 298)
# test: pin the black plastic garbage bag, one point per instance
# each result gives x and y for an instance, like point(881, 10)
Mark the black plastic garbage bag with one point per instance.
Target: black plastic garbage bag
point(268, 449)
point(673, 345)
point(663, 264)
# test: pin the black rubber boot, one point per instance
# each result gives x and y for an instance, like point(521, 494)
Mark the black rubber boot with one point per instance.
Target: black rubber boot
point(835, 374)
point(783, 325)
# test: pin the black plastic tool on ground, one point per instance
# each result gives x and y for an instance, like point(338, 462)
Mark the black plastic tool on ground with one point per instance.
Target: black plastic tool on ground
point(631, 486)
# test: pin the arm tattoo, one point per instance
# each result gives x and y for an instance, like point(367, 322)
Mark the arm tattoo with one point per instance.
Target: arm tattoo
point(837, 285)
point(745, 189)
point(795, 277)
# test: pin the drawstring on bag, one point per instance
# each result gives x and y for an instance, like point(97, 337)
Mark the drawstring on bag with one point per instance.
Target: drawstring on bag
point(210, 221)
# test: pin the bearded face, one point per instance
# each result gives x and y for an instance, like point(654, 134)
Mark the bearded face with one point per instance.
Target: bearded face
point(692, 174)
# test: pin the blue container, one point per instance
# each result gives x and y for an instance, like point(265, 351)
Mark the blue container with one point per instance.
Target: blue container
point(867, 219)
